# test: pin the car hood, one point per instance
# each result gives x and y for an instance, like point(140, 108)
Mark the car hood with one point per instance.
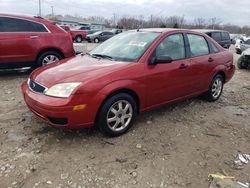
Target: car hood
point(78, 69)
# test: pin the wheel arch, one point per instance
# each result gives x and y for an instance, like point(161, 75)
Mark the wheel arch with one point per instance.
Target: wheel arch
point(50, 49)
point(222, 73)
point(128, 91)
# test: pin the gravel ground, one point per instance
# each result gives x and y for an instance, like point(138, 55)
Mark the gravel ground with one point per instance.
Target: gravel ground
point(174, 146)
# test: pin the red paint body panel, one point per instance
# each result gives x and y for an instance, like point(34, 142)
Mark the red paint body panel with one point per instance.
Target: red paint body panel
point(75, 33)
point(154, 85)
point(21, 47)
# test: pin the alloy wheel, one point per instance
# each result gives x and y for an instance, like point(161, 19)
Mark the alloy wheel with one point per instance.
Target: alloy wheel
point(217, 88)
point(119, 115)
point(49, 59)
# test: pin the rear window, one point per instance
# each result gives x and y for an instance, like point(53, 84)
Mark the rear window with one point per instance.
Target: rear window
point(216, 36)
point(20, 25)
point(225, 36)
point(198, 45)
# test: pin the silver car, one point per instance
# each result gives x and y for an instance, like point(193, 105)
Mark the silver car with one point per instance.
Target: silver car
point(99, 36)
point(242, 46)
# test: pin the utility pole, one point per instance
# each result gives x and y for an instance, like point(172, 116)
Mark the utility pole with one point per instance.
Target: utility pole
point(114, 19)
point(40, 9)
point(52, 11)
point(151, 20)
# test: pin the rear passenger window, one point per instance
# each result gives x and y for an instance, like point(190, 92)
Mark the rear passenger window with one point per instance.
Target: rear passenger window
point(225, 36)
point(198, 45)
point(213, 48)
point(216, 36)
point(172, 46)
point(19, 25)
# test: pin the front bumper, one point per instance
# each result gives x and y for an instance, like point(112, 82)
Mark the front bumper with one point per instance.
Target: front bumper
point(59, 112)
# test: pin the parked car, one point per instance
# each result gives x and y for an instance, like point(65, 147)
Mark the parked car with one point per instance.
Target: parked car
point(32, 42)
point(99, 36)
point(222, 37)
point(116, 31)
point(133, 72)
point(244, 60)
point(244, 44)
point(84, 28)
point(92, 31)
point(77, 35)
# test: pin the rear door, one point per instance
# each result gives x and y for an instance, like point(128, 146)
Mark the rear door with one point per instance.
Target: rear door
point(201, 62)
point(106, 35)
point(19, 40)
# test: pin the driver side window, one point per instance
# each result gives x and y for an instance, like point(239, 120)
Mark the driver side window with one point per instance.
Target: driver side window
point(172, 46)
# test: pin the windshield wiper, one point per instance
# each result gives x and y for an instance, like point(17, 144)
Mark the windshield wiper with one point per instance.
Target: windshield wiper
point(102, 56)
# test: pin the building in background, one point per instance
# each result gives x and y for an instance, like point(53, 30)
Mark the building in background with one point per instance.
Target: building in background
point(76, 22)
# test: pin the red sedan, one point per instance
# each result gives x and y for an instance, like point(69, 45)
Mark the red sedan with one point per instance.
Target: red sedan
point(130, 73)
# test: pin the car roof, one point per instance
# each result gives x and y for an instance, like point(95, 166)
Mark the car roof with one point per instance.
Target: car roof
point(208, 30)
point(159, 30)
point(35, 19)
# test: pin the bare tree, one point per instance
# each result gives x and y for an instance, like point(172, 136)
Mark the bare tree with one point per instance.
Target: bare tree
point(175, 21)
point(215, 22)
point(200, 23)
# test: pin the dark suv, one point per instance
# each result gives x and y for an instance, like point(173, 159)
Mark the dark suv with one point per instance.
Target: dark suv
point(32, 42)
point(220, 36)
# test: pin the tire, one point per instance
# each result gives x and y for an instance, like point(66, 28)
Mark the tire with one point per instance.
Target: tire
point(78, 39)
point(114, 109)
point(41, 61)
point(96, 40)
point(240, 63)
point(215, 88)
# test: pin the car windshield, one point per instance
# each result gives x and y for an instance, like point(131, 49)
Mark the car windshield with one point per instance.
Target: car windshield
point(128, 46)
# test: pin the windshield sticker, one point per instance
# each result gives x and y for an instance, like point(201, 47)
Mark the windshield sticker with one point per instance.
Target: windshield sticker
point(137, 43)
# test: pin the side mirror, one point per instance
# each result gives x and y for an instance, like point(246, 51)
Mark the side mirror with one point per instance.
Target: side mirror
point(162, 59)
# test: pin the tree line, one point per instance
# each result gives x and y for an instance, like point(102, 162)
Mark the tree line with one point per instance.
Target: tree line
point(135, 22)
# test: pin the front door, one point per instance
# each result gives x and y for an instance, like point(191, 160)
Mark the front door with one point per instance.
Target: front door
point(168, 81)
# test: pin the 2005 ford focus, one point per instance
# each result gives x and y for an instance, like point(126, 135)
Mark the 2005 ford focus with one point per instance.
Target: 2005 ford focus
point(130, 73)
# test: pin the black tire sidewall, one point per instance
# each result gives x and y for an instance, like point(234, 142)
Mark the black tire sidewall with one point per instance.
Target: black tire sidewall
point(240, 63)
point(209, 95)
point(101, 118)
point(43, 55)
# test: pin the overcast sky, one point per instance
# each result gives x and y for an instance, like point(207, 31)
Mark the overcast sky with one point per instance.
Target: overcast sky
point(229, 11)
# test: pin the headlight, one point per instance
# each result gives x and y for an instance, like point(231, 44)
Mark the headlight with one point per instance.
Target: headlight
point(63, 90)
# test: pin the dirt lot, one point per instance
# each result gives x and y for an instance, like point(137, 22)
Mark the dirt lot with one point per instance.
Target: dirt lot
point(174, 146)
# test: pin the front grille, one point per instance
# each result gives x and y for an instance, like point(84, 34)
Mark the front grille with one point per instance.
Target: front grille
point(34, 86)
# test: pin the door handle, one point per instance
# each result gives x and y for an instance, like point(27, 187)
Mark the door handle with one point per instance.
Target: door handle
point(183, 66)
point(34, 37)
point(210, 59)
